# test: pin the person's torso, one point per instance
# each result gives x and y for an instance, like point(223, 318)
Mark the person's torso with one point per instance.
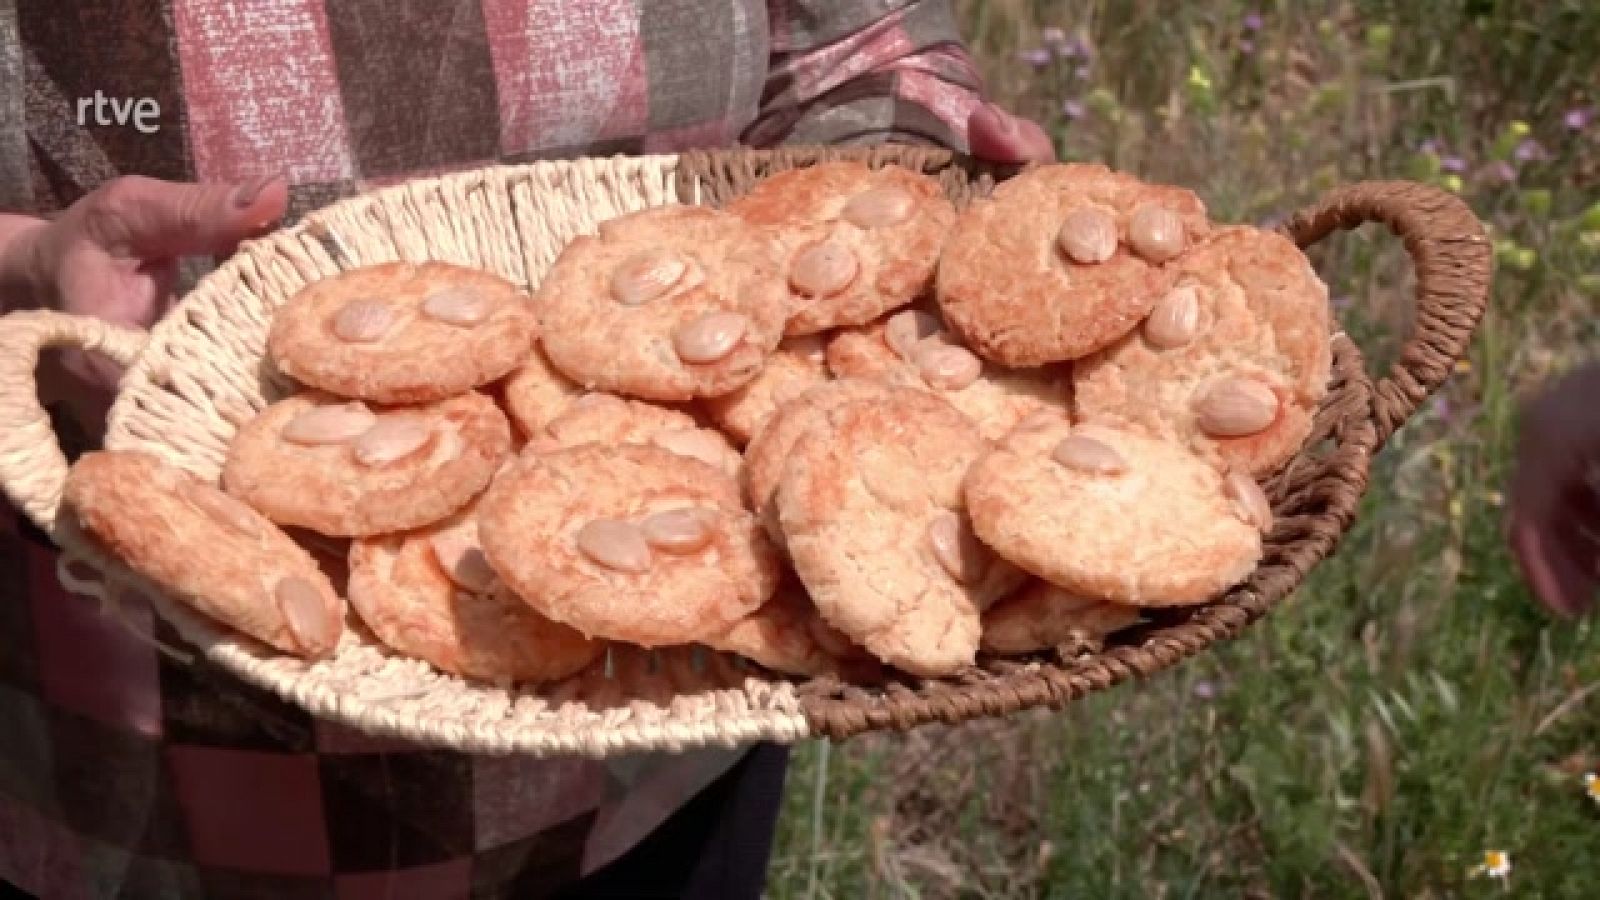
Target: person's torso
point(344, 94)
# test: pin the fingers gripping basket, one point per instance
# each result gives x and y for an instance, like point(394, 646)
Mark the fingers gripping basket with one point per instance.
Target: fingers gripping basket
point(199, 374)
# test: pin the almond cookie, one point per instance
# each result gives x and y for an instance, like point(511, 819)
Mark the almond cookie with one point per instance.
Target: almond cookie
point(799, 364)
point(665, 304)
point(1061, 261)
point(627, 542)
point(609, 419)
point(912, 348)
point(341, 468)
point(205, 548)
point(1041, 616)
point(534, 393)
point(857, 242)
point(871, 511)
point(402, 332)
point(1116, 515)
point(788, 635)
point(1233, 360)
point(769, 449)
point(431, 594)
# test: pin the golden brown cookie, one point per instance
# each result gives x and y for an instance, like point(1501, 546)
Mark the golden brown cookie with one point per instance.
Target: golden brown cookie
point(343, 469)
point(534, 393)
point(627, 542)
point(205, 548)
point(788, 635)
point(871, 510)
point(1115, 515)
point(1042, 615)
point(857, 242)
point(769, 449)
point(402, 332)
point(799, 364)
point(912, 348)
point(1234, 359)
point(610, 419)
point(1061, 261)
point(431, 594)
point(665, 304)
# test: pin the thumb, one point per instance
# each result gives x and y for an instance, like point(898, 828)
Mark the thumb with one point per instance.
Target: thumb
point(998, 136)
point(149, 218)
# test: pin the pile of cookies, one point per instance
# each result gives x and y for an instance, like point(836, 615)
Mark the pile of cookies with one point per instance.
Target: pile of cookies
point(834, 428)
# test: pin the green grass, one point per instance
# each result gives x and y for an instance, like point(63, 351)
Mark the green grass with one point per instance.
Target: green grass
point(1410, 708)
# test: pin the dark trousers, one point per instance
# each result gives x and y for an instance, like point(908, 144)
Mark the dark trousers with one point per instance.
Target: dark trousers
point(717, 846)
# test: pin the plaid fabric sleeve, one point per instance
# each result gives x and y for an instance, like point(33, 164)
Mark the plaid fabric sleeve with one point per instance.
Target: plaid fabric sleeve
point(844, 72)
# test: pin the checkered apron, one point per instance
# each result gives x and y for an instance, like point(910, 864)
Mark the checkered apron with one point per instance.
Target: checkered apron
point(128, 772)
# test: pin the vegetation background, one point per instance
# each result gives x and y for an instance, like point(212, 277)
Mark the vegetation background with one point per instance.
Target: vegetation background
point(1410, 709)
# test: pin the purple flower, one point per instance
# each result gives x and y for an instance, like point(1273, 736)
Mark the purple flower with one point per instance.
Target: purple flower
point(1252, 22)
point(1205, 690)
point(1053, 36)
point(1578, 119)
point(1036, 58)
point(1072, 109)
point(1078, 49)
point(1530, 150)
point(1342, 302)
point(1441, 408)
point(1081, 73)
point(1502, 171)
point(1453, 164)
point(1247, 46)
point(1430, 146)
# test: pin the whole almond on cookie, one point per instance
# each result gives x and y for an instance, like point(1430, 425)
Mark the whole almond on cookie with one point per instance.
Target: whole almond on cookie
point(1061, 261)
point(1112, 514)
point(251, 576)
point(402, 332)
point(410, 467)
point(1234, 359)
point(871, 511)
point(857, 241)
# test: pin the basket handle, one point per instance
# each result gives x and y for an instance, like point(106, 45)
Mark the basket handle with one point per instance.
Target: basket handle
point(33, 470)
point(1454, 265)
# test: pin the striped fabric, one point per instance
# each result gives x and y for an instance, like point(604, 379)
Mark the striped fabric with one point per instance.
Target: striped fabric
point(126, 773)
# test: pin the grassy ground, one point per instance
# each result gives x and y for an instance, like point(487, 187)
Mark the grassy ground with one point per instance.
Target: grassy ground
point(1409, 710)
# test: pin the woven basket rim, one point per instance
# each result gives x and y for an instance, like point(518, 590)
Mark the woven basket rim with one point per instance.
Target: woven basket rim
point(500, 202)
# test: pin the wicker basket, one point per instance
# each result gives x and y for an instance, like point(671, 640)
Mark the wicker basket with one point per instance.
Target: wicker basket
point(199, 373)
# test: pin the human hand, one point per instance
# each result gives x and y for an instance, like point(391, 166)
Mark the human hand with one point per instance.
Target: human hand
point(1555, 494)
point(998, 136)
point(114, 255)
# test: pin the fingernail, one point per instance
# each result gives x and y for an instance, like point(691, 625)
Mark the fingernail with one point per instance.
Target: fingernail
point(249, 191)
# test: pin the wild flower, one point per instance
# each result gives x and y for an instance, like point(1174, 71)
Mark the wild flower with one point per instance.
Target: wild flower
point(1205, 689)
point(1073, 109)
point(1496, 864)
point(1247, 47)
point(1591, 786)
point(1252, 21)
point(1578, 119)
point(1037, 57)
point(1453, 164)
point(1055, 37)
point(1530, 150)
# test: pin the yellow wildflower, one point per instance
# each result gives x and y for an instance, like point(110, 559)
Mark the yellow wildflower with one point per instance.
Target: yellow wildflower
point(1496, 864)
